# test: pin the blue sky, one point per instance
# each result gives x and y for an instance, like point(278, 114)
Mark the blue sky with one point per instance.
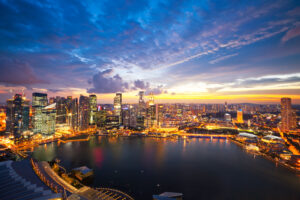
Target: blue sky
point(182, 51)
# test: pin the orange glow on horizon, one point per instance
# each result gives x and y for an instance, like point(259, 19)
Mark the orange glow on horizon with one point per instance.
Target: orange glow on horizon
point(203, 98)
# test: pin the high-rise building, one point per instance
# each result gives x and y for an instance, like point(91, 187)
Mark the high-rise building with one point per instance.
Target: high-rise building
point(151, 112)
point(133, 114)
point(39, 101)
point(61, 110)
point(68, 111)
point(126, 115)
point(84, 112)
point(74, 114)
point(288, 116)
point(100, 117)
point(93, 108)
point(142, 105)
point(17, 115)
point(118, 106)
point(2, 120)
point(49, 119)
point(240, 116)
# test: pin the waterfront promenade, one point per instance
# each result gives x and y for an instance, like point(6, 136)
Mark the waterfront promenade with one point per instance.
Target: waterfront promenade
point(56, 183)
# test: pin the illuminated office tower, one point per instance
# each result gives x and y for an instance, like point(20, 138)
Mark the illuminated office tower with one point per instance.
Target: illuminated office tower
point(84, 111)
point(160, 114)
point(126, 115)
point(68, 111)
point(100, 117)
point(74, 114)
point(118, 106)
point(240, 116)
point(151, 114)
point(61, 110)
point(17, 114)
point(39, 101)
point(49, 119)
point(133, 114)
point(288, 116)
point(93, 108)
point(142, 104)
point(2, 119)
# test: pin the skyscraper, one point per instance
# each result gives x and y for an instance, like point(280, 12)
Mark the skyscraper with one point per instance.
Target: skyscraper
point(118, 106)
point(288, 120)
point(49, 119)
point(17, 115)
point(142, 105)
point(61, 110)
point(74, 114)
point(39, 101)
point(93, 108)
point(84, 112)
point(151, 112)
point(240, 116)
point(100, 117)
point(68, 111)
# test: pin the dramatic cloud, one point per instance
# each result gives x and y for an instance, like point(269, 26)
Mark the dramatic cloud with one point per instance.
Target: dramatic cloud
point(14, 72)
point(102, 83)
point(141, 84)
point(122, 46)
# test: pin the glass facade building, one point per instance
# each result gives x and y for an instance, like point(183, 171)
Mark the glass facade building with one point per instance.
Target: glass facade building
point(39, 101)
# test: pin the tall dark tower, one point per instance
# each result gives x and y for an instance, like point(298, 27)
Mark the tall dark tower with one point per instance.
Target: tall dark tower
point(17, 115)
point(288, 120)
point(84, 112)
point(118, 106)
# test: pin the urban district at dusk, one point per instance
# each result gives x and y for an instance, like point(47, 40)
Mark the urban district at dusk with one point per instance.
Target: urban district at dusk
point(149, 100)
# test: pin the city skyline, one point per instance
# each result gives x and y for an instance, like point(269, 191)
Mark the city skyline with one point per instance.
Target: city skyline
point(183, 52)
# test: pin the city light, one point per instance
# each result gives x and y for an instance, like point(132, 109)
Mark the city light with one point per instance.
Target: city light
point(162, 100)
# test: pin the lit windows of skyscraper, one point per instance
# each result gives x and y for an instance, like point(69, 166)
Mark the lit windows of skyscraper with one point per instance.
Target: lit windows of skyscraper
point(39, 101)
point(142, 105)
point(126, 115)
point(68, 111)
point(17, 115)
point(93, 108)
point(84, 112)
point(49, 119)
point(61, 110)
point(2, 120)
point(100, 117)
point(288, 115)
point(74, 114)
point(118, 106)
point(240, 116)
point(151, 112)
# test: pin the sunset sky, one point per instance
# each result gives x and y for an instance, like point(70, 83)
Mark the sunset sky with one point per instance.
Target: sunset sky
point(183, 51)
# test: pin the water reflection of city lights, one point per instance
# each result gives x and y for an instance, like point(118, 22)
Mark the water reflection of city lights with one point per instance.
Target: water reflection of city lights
point(98, 157)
